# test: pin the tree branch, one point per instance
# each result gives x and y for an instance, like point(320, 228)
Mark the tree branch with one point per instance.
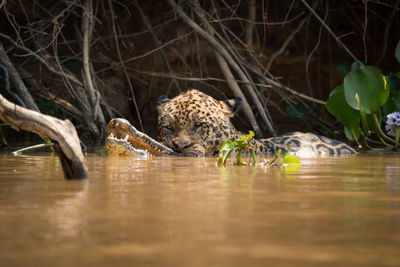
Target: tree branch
point(19, 84)
point(229, 60)
point(87, 25)
point(330, 31)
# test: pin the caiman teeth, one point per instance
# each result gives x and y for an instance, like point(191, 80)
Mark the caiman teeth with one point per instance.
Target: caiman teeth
point(111, 134)
point(126, 137)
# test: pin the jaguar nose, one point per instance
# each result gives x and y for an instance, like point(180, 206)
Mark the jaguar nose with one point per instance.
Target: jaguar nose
point(180, 145)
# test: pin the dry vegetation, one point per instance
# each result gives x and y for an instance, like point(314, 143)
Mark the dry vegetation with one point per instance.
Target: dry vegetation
point(93, 60)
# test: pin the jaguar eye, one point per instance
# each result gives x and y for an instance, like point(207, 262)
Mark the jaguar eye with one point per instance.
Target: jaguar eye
point(197, 125)
point(166, 128)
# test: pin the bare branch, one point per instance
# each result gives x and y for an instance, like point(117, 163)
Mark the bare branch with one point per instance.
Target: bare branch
point(123, 65)
point(330, 31)
point(386, 32)
point(157, 42)
point(19, 84)
point(87, 25)
point(47, 64)
point(286, 43)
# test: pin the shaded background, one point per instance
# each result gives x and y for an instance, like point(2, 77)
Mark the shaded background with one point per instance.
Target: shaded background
point(90, 60)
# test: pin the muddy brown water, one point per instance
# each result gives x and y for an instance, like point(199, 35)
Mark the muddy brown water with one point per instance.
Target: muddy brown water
point(169, 211)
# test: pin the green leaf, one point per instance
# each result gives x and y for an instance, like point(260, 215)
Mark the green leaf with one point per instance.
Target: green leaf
point(390, 106)
point(396, 99)
point(355, 65)
point(226, 149)
point(344, 67)
point(253, 153)
point(298, 110)
point(251, 135)
point(397, 52)
point(393, 80)
point(227, 145)
point(240, 143)
point(338, 107)
point(371, 87)
point(289, 159)
point(349, 135)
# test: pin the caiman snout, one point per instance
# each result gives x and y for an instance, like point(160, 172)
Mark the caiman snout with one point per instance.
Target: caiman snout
point(124, 139)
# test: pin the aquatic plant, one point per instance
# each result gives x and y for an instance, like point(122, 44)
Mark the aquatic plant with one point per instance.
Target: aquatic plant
point(393, 126)
point(240, 144)
point(364, 98)
point(285, 159)
point(243, 143)
point(392, 123)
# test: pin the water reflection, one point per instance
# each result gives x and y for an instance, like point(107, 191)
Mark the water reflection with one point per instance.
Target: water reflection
point(67, 214)
point(168, 211)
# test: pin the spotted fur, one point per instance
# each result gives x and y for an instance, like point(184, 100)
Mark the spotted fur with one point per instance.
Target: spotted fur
point(194, 123)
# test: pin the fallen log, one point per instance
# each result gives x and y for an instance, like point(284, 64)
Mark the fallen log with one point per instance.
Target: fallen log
point(62, 132)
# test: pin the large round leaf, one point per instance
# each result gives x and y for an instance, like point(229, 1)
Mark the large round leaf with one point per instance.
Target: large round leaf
point(393, 80)
point(390, 107)
point(369, 85)
point(339, 108)
point(352, 135)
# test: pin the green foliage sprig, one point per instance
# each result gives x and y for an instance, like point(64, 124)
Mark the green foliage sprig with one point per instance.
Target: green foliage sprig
point(285, 159)
point(364, 99)
point(240, 144)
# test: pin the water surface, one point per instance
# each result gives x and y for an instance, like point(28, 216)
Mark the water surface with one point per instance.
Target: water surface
point(167, 211)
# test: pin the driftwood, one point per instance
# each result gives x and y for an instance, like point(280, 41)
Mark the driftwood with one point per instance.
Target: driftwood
point(62, 132)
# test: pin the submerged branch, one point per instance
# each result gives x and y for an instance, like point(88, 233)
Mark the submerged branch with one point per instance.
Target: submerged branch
point(61, 131)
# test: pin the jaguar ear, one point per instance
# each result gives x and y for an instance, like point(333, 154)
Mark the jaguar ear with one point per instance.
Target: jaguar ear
point(162, 100)
point(231, 106)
